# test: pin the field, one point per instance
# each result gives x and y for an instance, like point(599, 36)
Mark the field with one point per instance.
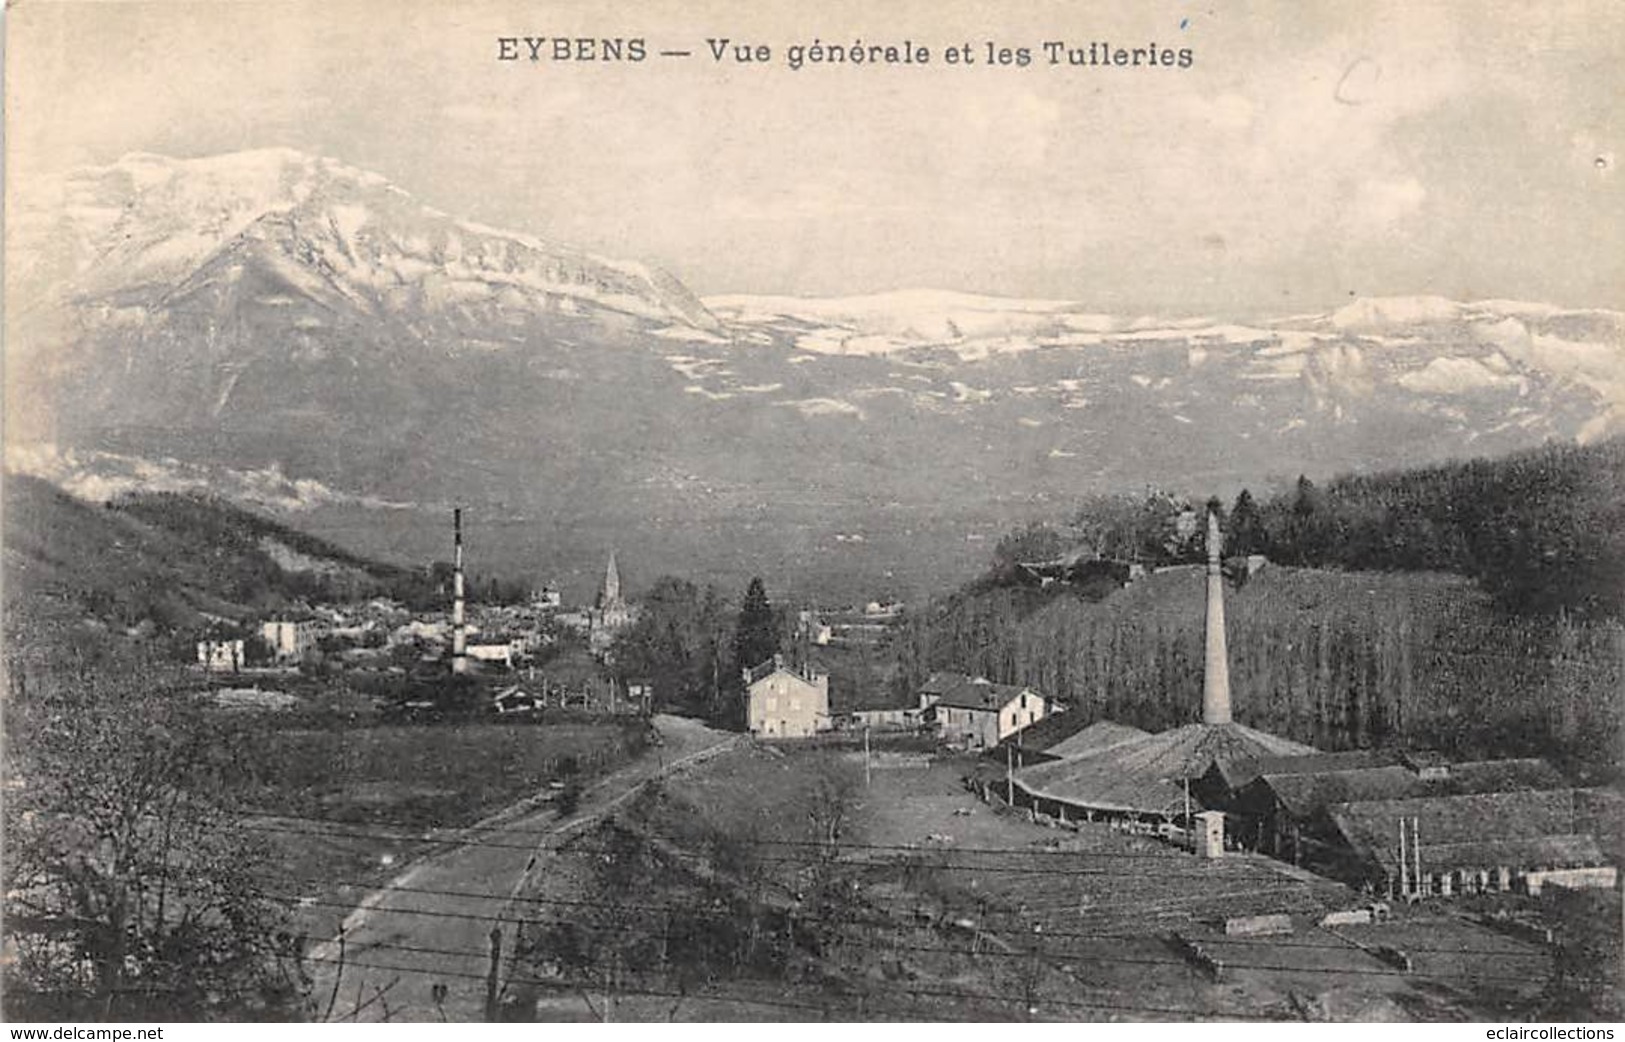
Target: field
point(344, 809)
point(926, 904)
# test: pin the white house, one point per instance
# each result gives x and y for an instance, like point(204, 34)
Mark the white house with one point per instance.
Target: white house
point(503, 652)
point(782, 703)
point(289, 639)
point(220, 656)
point(981, 714)
point(431, 631)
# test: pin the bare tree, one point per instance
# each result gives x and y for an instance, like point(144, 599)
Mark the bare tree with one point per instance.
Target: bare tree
point(829, 804)
point(129, 882)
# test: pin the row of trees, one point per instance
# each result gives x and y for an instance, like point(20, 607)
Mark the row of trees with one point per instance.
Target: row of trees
point(1155, 528)
point(694, 647)
point(1335, 660)
point(1542, 531)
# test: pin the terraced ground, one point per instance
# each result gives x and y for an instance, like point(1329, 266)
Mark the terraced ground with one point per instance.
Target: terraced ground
point(720, 897)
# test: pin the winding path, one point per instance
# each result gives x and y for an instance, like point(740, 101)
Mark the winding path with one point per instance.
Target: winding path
point(430, 927)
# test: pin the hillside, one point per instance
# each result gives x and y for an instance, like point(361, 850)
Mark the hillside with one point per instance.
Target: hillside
point(1338, 660)
point(157, 564)
point(1543, 531)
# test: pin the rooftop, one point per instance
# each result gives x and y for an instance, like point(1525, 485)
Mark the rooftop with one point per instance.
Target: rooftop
point(982, 694)
point(1473, 831)
point(1308, 792)
point(776, 664)
point(1146, 773)
point(942, 682)
point(1240, 773)
point(1102, 734)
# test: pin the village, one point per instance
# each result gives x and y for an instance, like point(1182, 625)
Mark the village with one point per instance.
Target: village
point(1398, 824)
point(1207, 870)
point(1394, 856)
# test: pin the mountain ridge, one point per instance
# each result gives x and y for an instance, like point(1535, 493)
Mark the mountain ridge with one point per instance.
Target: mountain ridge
point(294, 317)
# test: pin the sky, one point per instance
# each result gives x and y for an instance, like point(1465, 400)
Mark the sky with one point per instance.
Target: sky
point(1312, 152)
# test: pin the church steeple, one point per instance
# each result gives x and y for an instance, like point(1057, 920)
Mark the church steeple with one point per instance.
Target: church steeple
point(609, 595)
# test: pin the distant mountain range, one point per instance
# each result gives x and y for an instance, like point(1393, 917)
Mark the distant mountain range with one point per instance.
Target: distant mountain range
point(277, 325)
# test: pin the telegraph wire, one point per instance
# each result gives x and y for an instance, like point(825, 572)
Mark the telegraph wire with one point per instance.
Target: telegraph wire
point(1054, 957)
point(875, 920)
point(578, 851)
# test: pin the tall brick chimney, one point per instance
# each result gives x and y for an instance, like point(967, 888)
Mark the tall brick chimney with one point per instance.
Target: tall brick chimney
point(1216, 663)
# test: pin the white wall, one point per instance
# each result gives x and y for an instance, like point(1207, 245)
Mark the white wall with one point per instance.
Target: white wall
point(783, 705)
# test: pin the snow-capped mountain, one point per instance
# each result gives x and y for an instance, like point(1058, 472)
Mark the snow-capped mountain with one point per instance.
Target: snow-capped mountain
point(1420, 354)
point(1501, 337)
point(149, 230)
point(215, 263)
point(289, 319)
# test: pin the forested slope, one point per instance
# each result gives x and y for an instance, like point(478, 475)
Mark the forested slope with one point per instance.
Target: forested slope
point(1474, 607)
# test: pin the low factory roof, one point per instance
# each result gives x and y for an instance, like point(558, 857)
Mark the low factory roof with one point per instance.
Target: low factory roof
point(1242, 772)
point(1305, 794)
point(1473, 832)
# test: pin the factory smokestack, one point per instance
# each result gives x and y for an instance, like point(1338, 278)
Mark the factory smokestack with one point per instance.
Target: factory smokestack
point(459, 648)
point(1216, 665)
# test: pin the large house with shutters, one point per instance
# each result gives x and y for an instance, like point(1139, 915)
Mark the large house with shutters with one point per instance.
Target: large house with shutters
point(785, 703)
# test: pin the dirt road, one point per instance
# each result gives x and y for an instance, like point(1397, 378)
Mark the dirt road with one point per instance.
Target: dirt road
point(420, 948)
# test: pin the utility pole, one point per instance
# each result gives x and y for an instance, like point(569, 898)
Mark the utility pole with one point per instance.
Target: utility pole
point(866, 770)
point(1416, 851)
point(491, 978)
point(459, 634)
point(1190, 833)
point(1402, 852)
point(1009, 777)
